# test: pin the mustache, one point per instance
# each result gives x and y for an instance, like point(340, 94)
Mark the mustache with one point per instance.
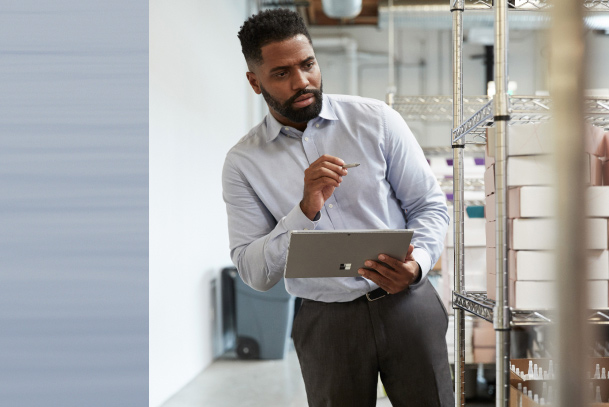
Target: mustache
point(315, 92)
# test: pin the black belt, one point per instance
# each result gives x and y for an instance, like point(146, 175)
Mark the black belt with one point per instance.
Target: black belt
point(376, 294)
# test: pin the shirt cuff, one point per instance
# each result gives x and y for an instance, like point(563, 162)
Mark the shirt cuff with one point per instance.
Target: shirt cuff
point(422, 257)
point(297, 220)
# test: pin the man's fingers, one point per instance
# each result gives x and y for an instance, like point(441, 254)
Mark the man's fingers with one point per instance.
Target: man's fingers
point(325, 172)
point(382, 269)
point(377, 278)
point(390, 261)
point(330, 159)
point(322, 184)
point(334, 164)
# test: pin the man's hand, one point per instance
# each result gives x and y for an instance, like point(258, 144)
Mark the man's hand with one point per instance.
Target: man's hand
point(395, 278)
point(321, 179)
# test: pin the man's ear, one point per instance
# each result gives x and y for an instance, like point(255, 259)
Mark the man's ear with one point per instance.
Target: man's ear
point(253, 80)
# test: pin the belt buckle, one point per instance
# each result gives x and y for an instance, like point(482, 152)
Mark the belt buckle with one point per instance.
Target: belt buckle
point(374, 298)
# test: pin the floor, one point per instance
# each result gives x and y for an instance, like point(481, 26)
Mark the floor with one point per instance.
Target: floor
point(230, 382)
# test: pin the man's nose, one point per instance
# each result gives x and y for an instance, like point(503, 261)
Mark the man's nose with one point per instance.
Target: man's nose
point(300, 81)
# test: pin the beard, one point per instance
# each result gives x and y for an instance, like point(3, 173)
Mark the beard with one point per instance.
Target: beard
point(301, 115)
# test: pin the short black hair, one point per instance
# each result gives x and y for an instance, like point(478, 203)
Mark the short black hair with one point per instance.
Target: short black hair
point(269, 26)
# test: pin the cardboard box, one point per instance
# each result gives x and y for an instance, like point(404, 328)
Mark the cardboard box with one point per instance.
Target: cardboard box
point(538, 295)
point(491, 288)
point(474, 260)
point(597, 233)
point(535, 295)
point(484, 336)
point(596, 171)
point(597, 201)
point(530, 170)
point(594, 142)
point(531, 202)
point(473, 234)
point(484, 355)
point(489, 180)
point(490, 234)
point(535, 170)
point(489, 151)
point(475, 281)
point(489, 208)
point(530, 139)
point(491, 254)
point(540, 234)
point(598, 264)
point(531, 265)
point(527, 265)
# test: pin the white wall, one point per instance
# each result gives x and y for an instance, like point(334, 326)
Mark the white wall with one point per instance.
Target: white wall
point(199, 108)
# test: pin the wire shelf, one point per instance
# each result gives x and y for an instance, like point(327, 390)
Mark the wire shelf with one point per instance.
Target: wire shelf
point(597, 5)
point(434, 108)
point(535, 5)
point(528, 109)
point(474, 302)
point(448, 150)
point(477, 303)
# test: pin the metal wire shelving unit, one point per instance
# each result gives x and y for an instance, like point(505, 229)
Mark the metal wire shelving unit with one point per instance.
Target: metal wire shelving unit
point(434, 108)
point(528, 109)
point(476, 302)
point(500, 112)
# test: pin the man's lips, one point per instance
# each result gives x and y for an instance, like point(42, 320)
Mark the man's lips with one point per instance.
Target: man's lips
point(304, 100)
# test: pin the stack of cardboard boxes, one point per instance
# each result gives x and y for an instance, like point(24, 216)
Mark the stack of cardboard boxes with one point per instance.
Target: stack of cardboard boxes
point(484, 342)
point(531, 219)
point(473, 254)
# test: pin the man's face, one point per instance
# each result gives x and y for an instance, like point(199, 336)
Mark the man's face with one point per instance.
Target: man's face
point(290, 81)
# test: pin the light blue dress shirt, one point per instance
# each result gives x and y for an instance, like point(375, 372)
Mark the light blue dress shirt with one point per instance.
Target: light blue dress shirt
point(393, 188)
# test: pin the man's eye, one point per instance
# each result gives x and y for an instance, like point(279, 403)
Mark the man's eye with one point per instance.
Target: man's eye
point(280, 74)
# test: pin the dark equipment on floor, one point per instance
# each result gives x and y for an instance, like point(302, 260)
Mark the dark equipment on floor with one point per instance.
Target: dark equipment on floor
point(262, 320)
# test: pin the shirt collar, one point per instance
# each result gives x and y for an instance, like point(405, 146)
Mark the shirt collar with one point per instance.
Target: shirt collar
point(273, 127)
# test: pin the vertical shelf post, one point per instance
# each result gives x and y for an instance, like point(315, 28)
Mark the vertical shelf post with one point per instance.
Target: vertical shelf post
point(502, 312)
point(457, 7)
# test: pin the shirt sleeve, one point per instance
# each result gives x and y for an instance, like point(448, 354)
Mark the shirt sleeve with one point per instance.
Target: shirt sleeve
point(417, 189)
point(258, 241)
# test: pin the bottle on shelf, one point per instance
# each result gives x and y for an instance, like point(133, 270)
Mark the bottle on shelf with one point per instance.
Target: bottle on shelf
point(597, 373)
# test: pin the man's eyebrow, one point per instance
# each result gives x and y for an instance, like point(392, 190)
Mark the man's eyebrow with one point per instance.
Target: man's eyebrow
point(281, 68)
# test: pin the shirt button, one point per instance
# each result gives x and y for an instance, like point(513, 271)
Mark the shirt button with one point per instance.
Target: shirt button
point(306, 139)
point(331, 206)
point(317, 125)
point(286, 128)
point(306, 228)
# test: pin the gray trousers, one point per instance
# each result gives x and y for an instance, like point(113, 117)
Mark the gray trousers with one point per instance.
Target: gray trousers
point(342, 347)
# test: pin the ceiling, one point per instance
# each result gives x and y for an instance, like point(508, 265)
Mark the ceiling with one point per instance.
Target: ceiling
point(418, 14)
point(315, 16)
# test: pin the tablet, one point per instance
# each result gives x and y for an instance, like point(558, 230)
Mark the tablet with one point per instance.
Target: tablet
point(340, 253)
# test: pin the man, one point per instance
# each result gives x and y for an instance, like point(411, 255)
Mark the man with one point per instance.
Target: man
point(286, 174)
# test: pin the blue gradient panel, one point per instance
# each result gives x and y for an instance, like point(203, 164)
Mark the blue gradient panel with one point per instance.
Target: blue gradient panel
point(73, 203)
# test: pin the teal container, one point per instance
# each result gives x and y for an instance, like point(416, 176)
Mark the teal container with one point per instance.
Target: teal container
point(264, 321)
